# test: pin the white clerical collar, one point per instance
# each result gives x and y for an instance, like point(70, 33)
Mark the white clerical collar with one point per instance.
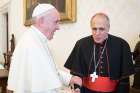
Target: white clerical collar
point(41, 35)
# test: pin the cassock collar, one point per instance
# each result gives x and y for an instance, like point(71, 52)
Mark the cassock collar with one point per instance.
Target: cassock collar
point(41, 35)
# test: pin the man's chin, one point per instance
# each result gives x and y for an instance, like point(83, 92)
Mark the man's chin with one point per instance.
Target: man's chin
point(98, 41)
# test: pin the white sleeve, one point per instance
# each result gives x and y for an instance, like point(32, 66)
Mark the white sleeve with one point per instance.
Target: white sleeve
point(65, 77)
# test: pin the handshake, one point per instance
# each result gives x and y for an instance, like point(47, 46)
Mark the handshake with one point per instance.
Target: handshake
point(75, 84)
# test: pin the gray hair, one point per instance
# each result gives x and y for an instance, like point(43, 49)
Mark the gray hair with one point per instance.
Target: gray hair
point(103, 15)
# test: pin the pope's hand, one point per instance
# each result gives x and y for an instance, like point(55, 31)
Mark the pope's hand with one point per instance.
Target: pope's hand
point(76, 83)
point(76, 80)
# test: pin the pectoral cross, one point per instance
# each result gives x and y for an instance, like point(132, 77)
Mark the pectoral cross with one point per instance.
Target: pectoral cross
point(94, 76)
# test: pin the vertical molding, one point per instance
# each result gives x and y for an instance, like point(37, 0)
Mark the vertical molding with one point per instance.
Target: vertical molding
point(3, 29)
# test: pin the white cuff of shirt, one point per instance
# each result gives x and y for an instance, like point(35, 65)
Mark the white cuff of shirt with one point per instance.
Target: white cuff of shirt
point(65, 77)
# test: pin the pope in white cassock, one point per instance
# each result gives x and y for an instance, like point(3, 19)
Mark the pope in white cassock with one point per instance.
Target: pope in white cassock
point(32, 69)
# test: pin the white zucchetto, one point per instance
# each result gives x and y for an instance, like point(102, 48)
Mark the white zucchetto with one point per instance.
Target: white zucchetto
point(41, 8)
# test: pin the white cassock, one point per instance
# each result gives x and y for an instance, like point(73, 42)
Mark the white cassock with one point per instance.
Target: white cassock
point(32, 69)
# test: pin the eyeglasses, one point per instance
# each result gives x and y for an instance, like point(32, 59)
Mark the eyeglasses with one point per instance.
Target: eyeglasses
point(98, 29)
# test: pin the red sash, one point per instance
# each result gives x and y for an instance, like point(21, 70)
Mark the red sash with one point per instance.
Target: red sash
point(101, 84)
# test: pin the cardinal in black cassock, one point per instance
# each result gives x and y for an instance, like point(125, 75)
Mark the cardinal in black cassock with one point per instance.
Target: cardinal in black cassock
point(104, 67)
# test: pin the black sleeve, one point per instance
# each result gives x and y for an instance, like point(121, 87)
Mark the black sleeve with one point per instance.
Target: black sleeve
point(73, 62)
point(127, 66)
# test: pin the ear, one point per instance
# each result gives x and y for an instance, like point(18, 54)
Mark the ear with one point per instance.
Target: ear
point(41, 20)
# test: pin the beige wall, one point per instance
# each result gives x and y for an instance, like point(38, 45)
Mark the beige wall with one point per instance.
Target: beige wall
point(123, 15)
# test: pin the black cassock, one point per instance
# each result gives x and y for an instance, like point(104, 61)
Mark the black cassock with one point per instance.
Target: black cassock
point(121, 66)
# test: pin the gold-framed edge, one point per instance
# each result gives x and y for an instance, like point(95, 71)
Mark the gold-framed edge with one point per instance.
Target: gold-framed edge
point(68, 17)
point(29, 21)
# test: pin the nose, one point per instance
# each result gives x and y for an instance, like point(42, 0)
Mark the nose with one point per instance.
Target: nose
point(97, 32)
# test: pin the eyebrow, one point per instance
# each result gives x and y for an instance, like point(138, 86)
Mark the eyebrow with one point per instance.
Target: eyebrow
point(98, 28)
